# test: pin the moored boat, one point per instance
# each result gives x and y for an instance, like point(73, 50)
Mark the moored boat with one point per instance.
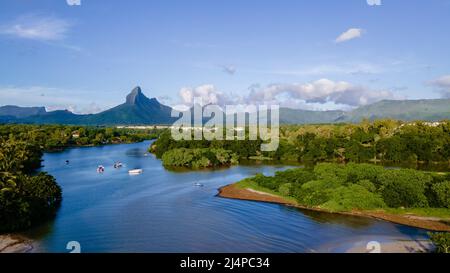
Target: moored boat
point(100, 169)
point(136, 171)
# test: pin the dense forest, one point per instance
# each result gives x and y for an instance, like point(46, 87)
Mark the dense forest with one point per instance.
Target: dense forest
point(382, 140)
point(56, 137)
point(28, 197)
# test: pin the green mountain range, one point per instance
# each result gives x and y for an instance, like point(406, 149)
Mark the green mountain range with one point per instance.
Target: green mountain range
point(140, 110)
point(20, 112)
point(298, 116)
point(407, 110)
point(137, 110)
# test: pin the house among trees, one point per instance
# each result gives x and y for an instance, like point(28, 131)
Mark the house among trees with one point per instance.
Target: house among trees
point(75, 134)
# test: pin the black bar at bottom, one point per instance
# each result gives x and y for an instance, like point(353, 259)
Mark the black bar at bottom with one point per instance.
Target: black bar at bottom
point(223, 262)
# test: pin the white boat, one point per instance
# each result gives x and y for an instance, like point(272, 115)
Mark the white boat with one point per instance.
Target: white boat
point(136, 171)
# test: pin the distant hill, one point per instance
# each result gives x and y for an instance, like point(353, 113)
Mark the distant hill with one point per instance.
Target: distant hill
point(140, 110)
point(296, 116)
point(20, 112)
point(56, 117)
point(407, 110)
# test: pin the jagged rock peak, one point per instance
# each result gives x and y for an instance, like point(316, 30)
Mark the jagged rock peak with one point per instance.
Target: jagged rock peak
point(135, 96)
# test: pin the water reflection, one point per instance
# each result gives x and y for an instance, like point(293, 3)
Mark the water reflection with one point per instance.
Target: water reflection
point(137, 152)
point(337, 219)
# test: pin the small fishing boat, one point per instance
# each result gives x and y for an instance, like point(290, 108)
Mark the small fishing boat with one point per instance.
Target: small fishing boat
point(118, 165)
point(198, 184)
point(136, 171)
point(100, 169)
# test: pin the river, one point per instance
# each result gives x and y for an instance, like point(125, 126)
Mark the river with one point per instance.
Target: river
point(164, 211)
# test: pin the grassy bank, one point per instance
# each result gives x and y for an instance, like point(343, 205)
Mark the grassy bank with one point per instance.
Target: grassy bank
point(250, 184)
point(442, 213)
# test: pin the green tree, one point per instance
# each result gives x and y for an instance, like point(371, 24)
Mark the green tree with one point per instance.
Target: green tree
point(404, 188)
point(441, 241)
point(347, 198)
point(442, 194)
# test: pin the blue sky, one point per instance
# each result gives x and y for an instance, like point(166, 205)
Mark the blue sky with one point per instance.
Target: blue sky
point(319, 54)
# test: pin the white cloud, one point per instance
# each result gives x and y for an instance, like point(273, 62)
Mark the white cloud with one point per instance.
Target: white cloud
point(443, 84)
point(323, 93)
point(350, 34)
point(73, 2)
point(207, 92)
point(37, 28)
point(374, 2)
point(165, 99)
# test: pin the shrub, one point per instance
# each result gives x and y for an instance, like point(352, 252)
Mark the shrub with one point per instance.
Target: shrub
point(351, 197)
point(367, 184)
point(317, 192)
point(442, 194)
point(285, 189)
point(266, 182)
point(331, 171)
point(441, 241)
point(358, 172)
point(297, 176)
point(404, 188)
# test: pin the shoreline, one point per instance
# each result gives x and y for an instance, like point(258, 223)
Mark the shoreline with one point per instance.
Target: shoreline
point(13, 243)
point(232, 191)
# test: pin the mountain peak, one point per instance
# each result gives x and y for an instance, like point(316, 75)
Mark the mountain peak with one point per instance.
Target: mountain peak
point(135, 96)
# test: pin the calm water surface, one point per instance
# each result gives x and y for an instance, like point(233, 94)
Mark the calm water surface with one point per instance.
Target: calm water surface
point(163, 211)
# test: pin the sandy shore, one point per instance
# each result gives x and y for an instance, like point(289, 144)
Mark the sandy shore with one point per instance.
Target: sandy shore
point(235, 192)
point(384, 244)
point(15, 244)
